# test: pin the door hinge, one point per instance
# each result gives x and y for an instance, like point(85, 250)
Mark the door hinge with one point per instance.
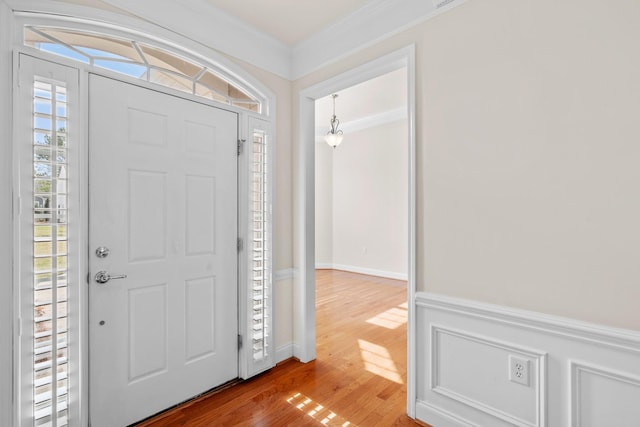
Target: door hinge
point(17, 207)
point(20, 71)
point(241, 146)
point(239, 341)
point(240, 244)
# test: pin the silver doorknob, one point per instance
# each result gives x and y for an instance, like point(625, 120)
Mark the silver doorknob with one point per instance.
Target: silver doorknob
point(103, 277)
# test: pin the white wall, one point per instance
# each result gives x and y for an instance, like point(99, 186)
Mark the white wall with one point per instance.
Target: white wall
point(526, 154)
point(530, 159)
point(368, 211)
point(527, 187)
point(324, 205)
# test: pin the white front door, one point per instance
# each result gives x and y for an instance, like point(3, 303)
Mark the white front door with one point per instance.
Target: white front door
point(163, 203)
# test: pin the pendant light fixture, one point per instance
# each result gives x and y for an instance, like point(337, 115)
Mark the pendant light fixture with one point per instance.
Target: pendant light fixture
point(334, 136)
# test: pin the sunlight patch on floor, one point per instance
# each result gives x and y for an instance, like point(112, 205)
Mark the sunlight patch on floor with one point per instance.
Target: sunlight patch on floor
point(378, 361)
point(317, 411)
point(391, 318)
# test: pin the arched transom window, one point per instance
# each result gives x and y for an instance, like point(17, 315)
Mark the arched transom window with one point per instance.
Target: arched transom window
point(141, 60)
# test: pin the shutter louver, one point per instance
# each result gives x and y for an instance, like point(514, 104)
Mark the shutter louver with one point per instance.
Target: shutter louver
point(50, 183)
point(259, 257)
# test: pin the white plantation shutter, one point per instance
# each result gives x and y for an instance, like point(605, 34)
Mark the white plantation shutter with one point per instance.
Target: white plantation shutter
point(50, 254)
point(48, 273)
point(258, 338)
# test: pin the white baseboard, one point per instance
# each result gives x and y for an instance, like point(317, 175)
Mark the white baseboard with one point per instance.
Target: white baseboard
point(284, 352)
point(582, 372)
point(439, 417)
point(324, 266)
point(363, 270)
point(296, 351)
point(284, 274)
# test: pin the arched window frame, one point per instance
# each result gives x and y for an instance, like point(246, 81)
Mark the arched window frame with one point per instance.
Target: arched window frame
point(142, 61)
point(149, 34)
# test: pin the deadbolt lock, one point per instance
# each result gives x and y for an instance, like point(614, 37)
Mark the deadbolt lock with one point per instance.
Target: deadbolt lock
point(102, 252)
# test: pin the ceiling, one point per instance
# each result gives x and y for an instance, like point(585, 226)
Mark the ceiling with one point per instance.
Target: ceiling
point(293, 21)
point(289, 21)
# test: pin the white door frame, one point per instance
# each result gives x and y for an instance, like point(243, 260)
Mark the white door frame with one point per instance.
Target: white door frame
point(304, 324)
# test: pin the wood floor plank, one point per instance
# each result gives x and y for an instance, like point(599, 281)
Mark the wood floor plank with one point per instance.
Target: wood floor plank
point(358, 378)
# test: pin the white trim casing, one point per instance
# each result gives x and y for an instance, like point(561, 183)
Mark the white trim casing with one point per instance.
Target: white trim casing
point(578, 372)
point(304, 334)
point(412, 273)
point(8, 302)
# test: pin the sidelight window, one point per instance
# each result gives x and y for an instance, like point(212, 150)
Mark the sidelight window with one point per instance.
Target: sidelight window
point(50, 273)
point(260, 253)
point(259, 348)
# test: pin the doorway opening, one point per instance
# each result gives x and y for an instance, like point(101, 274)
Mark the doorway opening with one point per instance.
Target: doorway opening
point(361, 193)
point(361, 215)
point(304, 243)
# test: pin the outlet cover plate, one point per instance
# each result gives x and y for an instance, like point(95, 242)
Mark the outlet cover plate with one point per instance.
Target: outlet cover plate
point(519, 370)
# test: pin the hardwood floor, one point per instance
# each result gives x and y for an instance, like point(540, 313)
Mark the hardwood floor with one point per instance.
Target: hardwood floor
point(358, 378)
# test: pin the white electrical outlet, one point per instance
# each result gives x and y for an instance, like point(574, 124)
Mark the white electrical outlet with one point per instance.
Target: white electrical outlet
point(519, 370)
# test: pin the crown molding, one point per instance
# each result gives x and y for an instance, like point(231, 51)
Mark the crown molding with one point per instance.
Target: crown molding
point(376, 21)
point(363, 123)
point(205, 24)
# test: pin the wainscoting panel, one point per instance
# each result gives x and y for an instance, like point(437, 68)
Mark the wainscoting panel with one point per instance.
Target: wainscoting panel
point(464, 365)
point(603, 397)
point(485, 365)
